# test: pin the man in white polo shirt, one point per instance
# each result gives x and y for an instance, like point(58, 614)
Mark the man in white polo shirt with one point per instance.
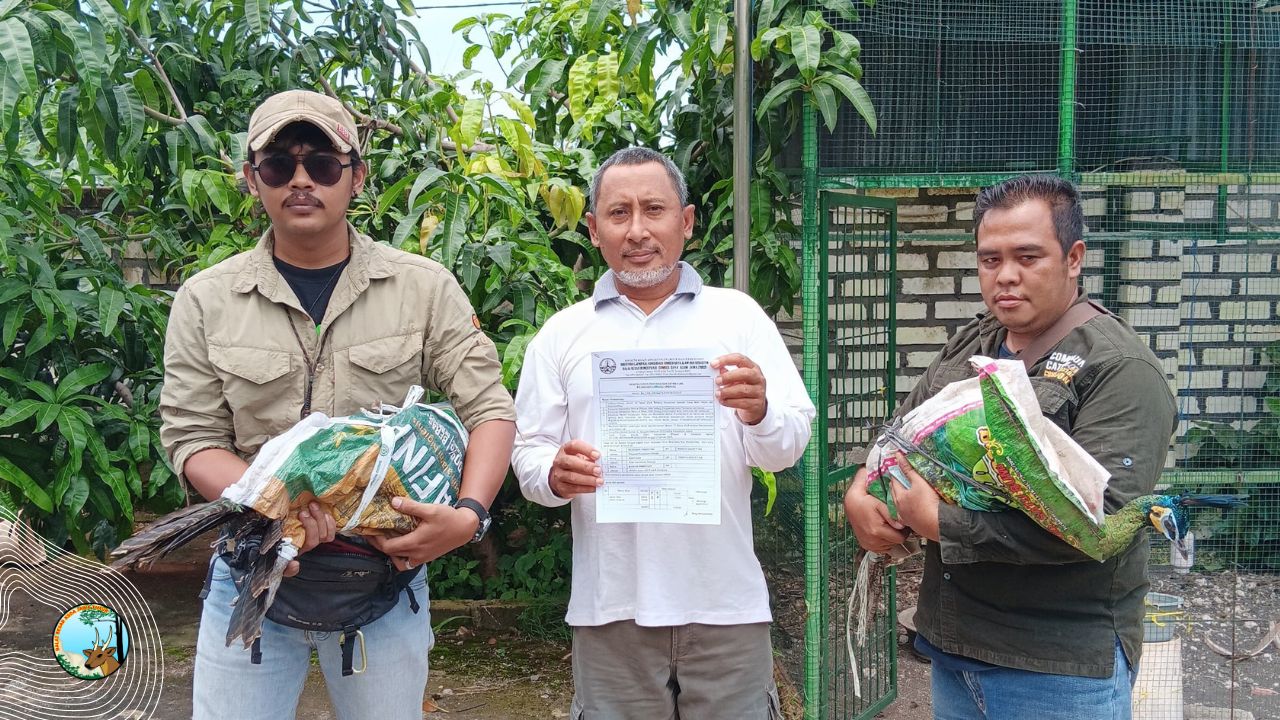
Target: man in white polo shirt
point(669, 620)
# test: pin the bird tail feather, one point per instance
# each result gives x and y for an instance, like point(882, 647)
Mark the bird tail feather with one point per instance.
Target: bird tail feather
point(172, 532)
point(1217, 501)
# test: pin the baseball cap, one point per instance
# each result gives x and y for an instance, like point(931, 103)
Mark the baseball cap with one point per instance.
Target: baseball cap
point(293, 106)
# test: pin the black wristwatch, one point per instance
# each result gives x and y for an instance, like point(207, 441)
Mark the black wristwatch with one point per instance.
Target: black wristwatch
point(475, 507)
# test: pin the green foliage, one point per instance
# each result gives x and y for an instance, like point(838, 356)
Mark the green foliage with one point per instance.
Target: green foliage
point(535, 552)
point(122, 133)
point(79, 385)
point(590, 73)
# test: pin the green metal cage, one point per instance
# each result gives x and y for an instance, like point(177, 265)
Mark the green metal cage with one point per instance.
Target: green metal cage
point(1166, 113)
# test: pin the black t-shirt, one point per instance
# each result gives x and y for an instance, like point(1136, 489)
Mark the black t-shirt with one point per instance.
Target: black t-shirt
point(313, 287)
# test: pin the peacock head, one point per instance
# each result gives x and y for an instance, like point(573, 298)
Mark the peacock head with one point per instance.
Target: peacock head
point(1168, 514)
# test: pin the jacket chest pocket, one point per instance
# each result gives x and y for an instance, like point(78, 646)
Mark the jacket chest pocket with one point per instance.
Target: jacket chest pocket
point(257, 385)
point(1057, 401)
point(947, 374)
point(382, 370)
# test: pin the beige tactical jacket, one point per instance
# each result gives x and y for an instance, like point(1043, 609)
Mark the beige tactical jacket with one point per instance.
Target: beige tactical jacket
point(243, 361)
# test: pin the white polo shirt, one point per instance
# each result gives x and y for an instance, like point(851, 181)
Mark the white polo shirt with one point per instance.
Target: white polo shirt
point(660, 574)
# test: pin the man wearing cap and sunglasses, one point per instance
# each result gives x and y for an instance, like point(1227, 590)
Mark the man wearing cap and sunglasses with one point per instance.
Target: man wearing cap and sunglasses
point(318, 317)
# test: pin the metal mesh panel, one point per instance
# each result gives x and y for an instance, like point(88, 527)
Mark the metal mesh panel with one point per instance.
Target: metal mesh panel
point(1167, 114)
point(858, 309)
point(1206, 306)
point(1157, 80)
point(957, 86)
point(977, 87)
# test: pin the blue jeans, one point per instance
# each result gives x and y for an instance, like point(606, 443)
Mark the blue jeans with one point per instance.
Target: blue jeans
point(1002, 693)
point(228, 687)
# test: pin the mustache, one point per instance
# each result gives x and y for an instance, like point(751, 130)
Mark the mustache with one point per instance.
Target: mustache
point(302, 198)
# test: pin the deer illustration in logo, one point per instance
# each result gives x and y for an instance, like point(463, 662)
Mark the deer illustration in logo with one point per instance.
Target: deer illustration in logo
point(101, 656)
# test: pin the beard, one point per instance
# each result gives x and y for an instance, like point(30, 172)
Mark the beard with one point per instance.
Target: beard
point(645, 278)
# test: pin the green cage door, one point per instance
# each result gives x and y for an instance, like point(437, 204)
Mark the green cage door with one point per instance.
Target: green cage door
point(854, 303)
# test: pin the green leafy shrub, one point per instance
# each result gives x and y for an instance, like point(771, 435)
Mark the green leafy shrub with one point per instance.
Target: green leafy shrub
point(122, 134)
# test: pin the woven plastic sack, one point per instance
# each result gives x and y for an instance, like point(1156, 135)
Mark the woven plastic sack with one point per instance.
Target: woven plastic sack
point(356, 464)
point(990, 448)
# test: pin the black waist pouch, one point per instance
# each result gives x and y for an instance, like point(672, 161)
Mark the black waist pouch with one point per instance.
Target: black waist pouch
point(333, 592)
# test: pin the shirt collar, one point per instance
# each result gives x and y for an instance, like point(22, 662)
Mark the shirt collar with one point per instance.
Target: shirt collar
point(607, 289)
point(261, 273)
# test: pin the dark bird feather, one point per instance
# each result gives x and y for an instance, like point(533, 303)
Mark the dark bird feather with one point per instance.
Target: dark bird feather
point(172, 532)
point(257, 591)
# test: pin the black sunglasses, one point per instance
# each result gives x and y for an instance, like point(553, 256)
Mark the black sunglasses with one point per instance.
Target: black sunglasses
point(277, 170)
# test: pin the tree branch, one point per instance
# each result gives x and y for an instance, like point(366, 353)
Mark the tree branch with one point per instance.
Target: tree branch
point(157, 115)
point(417, 69)
point(377, 123)
point(164, 77)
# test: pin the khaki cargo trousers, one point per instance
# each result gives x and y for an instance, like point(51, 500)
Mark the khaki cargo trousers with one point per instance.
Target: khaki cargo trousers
point(622, 671)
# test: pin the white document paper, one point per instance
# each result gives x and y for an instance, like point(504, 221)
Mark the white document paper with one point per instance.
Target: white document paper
point(658, 436)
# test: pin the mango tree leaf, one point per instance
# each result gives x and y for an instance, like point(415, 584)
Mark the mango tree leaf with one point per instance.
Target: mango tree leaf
point(408, 225)
point(517, 74)
point(457, 209)
point(580, 85)
point(776, 94)
point(77, 493)
point(471, 121)
point(806, 47)
point(15, 50)
point(470, 54)
point(19, 411)
point(843, 8)
point(46, 415)
point(257, 13)
point(68, 130)
point(110, 305)
point(425, 178)
point(595, 22)
point(521, 108)
point(825, 98)
point(767, 12)
point(139, 441)
point(12, 323)
point(607, 84)
point(11, 288)
point(106, 14)
point(133, 121)
point(90, 60)
point(717, 28)
point(856, 94)
point(15, 476)
point(81, 378)
point(204, 131)
point(219, 193)
point(91, 244)
point(549, 72)
point(75, 425)
point(633, 47)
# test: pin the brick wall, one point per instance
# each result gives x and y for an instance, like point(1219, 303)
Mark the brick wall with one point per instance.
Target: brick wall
point(1205, 307)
